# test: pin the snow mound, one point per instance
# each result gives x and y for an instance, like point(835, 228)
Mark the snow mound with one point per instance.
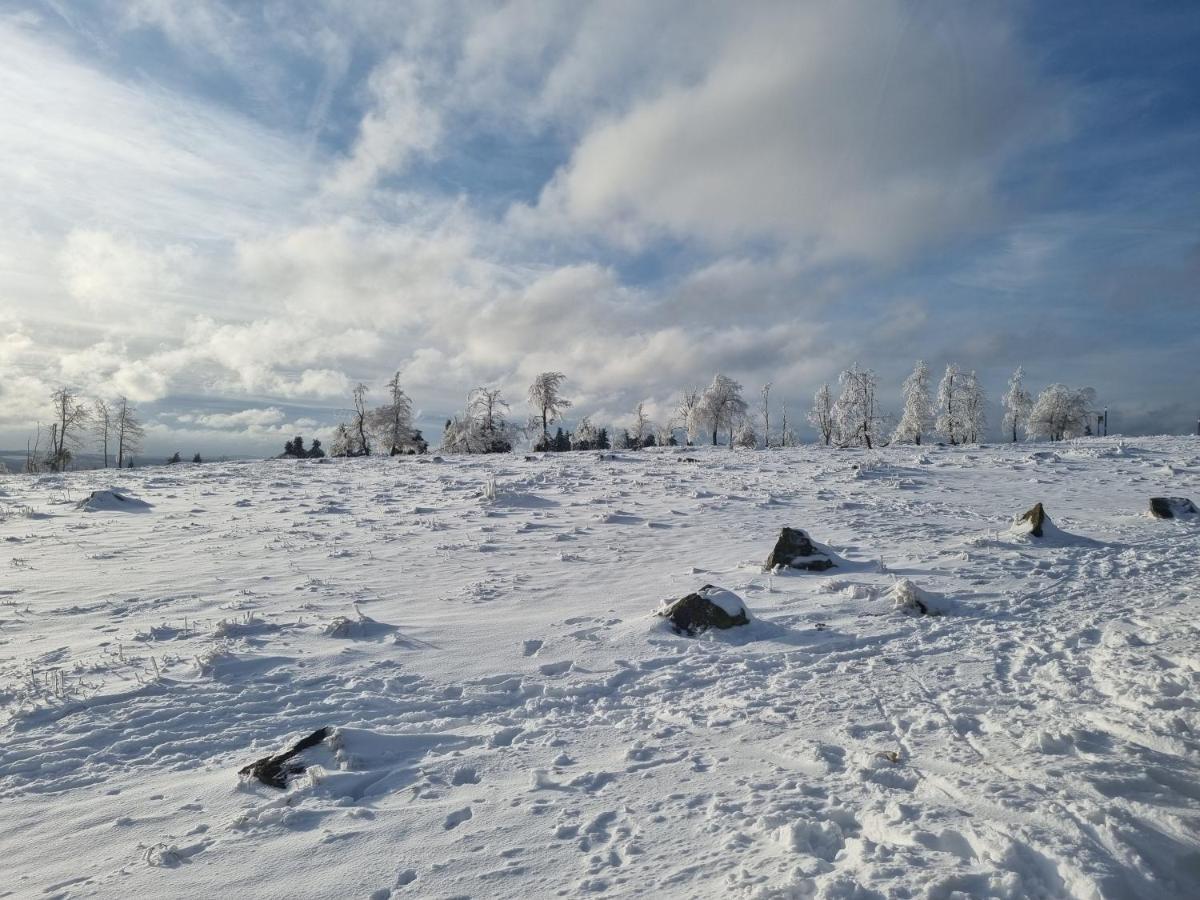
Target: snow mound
point(113, 501)
point(911, 600)
point(362, 628)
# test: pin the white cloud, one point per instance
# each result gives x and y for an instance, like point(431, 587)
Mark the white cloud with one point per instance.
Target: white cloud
point(399, 125)
point(846, 130)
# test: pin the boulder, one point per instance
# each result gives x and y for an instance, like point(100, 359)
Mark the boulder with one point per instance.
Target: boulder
point(276, 770)
point(1172, 507)
point(1036, 519)
point(709, 607)
point(795, 550)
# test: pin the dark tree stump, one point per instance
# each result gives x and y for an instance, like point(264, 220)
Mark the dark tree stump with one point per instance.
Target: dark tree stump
point(1036, 518)
point(276, 770)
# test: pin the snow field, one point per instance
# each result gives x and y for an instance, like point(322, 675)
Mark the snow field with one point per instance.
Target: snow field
point(513, 721)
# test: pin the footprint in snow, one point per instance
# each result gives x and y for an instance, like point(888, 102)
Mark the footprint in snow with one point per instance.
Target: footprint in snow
point(457, 817)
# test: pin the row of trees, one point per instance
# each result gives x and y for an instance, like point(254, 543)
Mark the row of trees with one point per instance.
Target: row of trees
point(957, 413)
point(108, 425)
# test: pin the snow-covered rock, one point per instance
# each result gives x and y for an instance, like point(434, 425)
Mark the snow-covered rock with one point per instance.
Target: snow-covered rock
point(796, 550)
point(709, 607)
point(1172, 507)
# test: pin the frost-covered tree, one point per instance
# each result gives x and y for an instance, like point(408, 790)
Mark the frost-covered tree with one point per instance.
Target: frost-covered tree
point(585, 436)
point(392, 423)
point(71, 417)
point(917, 417)
point(687, 414)
point(856, 418)
point(974, 409)
point(641, 426)
point(359, 423)
point(545, 396)
point(486, 407)
point(1016, 403)
point(950, 398)
point(129, 431)
point(721, 406)
point(343, 443)
point(1061, 412)
point(746, 437)
point(820, 416)
point(482, 428)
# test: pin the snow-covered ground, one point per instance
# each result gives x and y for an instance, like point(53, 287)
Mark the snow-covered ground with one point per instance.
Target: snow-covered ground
point(512, 721)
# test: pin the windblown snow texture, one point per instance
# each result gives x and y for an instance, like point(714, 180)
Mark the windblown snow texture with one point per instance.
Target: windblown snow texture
point(508, 717)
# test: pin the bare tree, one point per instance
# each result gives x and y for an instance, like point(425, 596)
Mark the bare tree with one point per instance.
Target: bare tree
point(641, 425)
point(545, 397)
point(766, 413)
point(358, 424)
point(820, 416)
point(129, 431)
point(33, 457)
point(70, 418)
point(785, 436)
point(102, 420)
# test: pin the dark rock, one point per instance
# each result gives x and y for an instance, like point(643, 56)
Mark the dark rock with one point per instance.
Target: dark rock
point(709, 607)
point(1172, 507)
point(1036, 518)
point(795, 550)
point(276, 770)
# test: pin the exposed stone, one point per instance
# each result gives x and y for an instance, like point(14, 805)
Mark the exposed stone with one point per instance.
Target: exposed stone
point(1172, 507)
point(276, 770)
point(795, 550)
point(709, 607)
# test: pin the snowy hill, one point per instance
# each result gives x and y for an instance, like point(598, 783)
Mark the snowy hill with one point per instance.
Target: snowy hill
point(509, 719)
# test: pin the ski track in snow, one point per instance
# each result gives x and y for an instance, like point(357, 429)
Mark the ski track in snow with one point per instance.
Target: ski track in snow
point(512, 722)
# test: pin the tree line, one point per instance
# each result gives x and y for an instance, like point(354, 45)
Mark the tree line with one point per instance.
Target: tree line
point(956, 413)
point(110, 426)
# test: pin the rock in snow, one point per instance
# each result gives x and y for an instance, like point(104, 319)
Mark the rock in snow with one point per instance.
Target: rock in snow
point(709, 607)
point(112, 501)
point(1172, 507)
point(795, 550)
point(276, 770)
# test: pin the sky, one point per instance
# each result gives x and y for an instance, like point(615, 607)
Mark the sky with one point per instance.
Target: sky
point(233, 212)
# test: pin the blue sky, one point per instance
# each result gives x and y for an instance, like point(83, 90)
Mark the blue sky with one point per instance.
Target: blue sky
point(233, 212)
